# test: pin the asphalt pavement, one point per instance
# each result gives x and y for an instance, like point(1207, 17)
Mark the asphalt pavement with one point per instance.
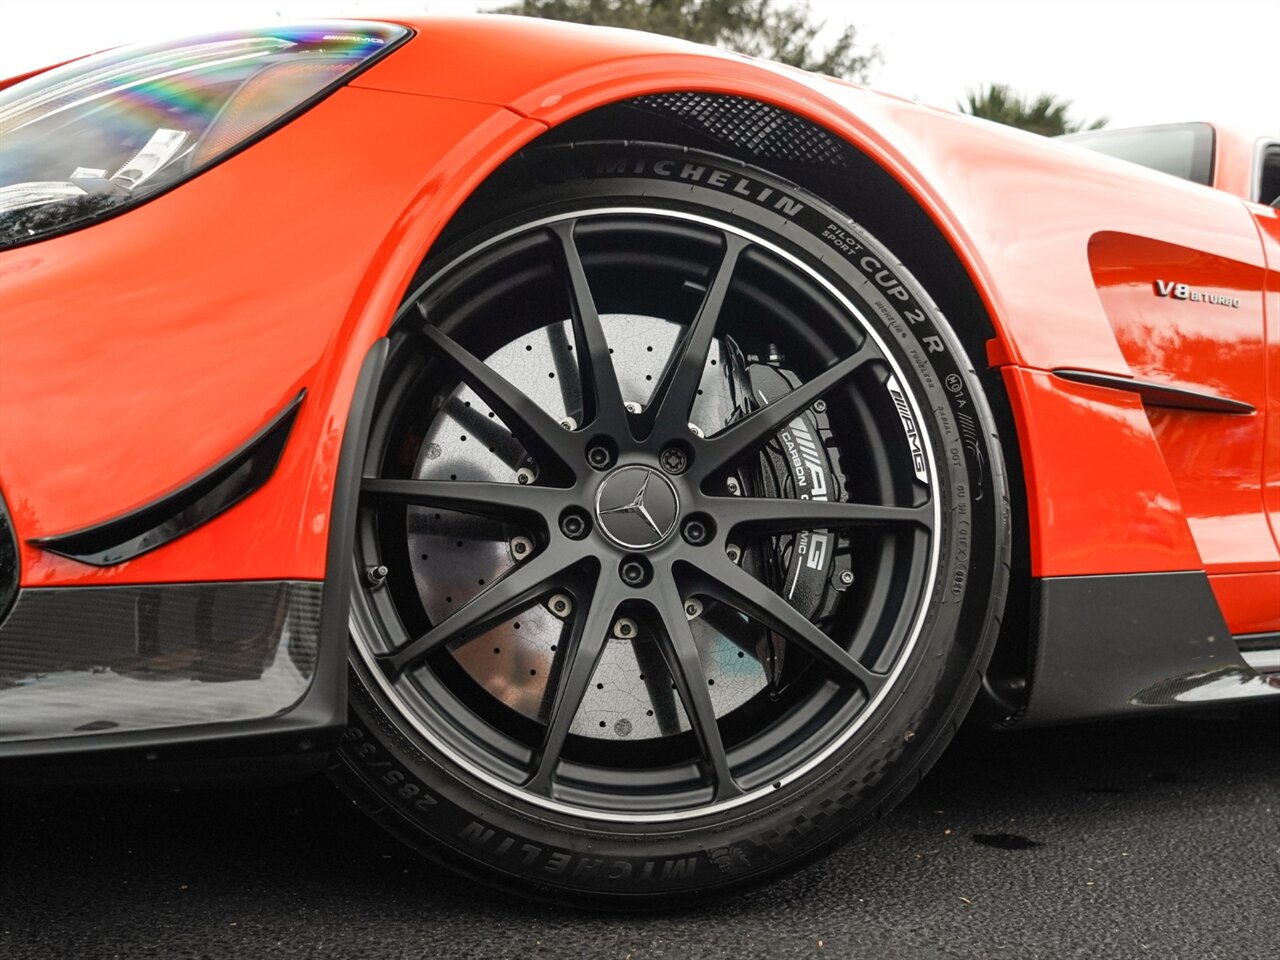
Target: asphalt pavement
point(1143, 839)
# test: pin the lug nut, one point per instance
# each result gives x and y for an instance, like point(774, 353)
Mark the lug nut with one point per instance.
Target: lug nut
point(696, 532)
point(634, 573)
point(377, 575)
point(674, 460)
point(599, 457)
point(573, 525)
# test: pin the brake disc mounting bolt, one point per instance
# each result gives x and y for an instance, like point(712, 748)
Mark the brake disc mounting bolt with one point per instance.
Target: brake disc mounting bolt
point(524, 475)
point(692, 609)
point(625, 628)
point(846, 577)
point(632, 407)
point(560, 605)
point(819, 406)
point(734, 486)
point(521, 547)
point(733, 552)
point(569, 423)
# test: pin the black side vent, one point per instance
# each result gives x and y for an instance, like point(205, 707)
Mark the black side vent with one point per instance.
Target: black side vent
point(182, 510)
point(753, 128)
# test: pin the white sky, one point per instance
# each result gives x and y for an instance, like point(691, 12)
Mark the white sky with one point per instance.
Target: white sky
point(1137, 61)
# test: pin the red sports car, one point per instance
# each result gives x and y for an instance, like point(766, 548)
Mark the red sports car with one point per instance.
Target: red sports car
point(622, 463)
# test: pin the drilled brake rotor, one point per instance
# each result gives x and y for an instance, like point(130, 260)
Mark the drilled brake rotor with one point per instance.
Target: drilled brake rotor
point(631, 695)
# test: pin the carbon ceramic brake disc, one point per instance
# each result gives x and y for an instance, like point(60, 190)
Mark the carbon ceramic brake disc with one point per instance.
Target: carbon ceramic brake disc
point(631, 695)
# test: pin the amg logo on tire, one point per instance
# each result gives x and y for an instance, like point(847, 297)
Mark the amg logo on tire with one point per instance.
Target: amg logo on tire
point(909, 427)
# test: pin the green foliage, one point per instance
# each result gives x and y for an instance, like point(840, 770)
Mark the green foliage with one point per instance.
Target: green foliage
point(769, 29)
point(1046, 114)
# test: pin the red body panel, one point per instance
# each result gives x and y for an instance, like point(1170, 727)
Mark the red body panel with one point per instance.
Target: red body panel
point(1215, 460)
point(1253, 600)
point(1233, 158)
point(140, 350)
point(1097, 490)
point(1269, 228)
point(192, 319)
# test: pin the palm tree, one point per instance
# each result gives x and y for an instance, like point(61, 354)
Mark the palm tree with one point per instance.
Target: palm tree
point(1046, 114)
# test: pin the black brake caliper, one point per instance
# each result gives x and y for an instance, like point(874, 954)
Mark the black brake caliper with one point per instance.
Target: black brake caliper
point(810, 569)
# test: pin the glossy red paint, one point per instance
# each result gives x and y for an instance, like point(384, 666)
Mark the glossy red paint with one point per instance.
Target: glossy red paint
point(155, 342)
point(1268, 221)
point(1251, 601)
point(158, 340)
point(1215, 460)
point(1233, 159)
point(1105, 502)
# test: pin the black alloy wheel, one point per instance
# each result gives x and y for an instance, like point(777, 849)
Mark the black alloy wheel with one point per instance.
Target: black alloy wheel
point(659, 542)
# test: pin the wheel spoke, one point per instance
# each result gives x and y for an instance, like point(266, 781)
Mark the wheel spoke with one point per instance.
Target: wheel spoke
point(510, 502)
point(587, 639)
point(595, 365)
point(763, 515)
point(673, 398)
point(754, 429)
point(505, 597)
point(542, 436)
point(493, 365)
point(681, 653)
point(729, 584)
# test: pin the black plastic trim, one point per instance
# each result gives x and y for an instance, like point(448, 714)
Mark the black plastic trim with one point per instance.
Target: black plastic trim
point(1159, 394)
point(300, 736)
point(80, 661)
point(182, 510)
point(1126, 644)
point(1251, 642)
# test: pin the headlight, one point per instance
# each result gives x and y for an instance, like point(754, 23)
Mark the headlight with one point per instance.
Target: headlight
point(91, 138)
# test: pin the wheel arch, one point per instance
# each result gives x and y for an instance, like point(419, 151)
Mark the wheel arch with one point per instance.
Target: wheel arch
point(878, 199)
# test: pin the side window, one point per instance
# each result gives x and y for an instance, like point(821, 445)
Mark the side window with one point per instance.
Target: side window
point(1268, 175)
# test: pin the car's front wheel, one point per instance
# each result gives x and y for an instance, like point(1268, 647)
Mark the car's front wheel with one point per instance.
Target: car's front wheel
point(683, 535)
